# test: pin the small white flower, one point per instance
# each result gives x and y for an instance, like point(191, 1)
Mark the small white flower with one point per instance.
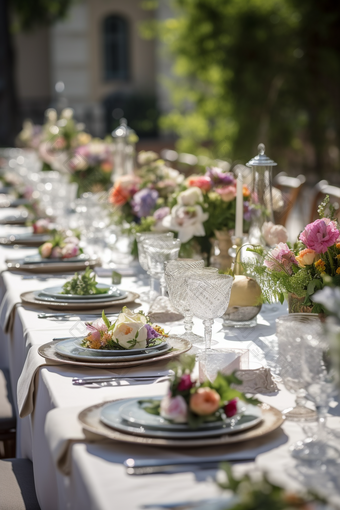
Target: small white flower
point(51, 115)
point(67, 113)
point(146, 157)
point(190, 196)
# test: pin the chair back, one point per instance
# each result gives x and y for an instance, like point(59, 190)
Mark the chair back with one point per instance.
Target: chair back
point(290, 188)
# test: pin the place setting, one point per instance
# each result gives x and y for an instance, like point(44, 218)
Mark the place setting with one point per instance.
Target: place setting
point(129, 340)
point(191, 414)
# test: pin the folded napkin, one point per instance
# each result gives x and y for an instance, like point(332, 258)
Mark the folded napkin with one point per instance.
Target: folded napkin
point(259, 380)
point(26, 382)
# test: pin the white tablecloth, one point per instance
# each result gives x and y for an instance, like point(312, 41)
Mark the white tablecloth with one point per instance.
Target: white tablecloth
point(98, 479)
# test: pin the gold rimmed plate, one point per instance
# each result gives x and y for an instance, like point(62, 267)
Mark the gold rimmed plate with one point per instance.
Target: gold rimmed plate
point(90, 418)
point(178, 347)
point(30, 298)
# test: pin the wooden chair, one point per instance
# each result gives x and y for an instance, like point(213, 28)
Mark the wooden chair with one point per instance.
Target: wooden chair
point(322, 189)
point(290, 188)
point(7, 415)
point(17, 491)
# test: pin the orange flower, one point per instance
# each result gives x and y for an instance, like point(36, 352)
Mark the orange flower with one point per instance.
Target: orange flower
point(205, 401)
point(337, 246)
point(338, 270)
point(306, 257)
point(119, 195)
point(200, 181)
point(320, 266)
point(246, 191)
point(106, 166)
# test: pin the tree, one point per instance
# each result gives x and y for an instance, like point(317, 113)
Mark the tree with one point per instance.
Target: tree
point(250, 71)
point(26, 15)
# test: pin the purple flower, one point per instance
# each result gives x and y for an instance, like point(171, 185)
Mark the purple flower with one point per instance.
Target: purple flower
point(246, 211)
point(320, 235)
point(160, 213)
point(144, 201)
point(218, 177)
point(151, 333)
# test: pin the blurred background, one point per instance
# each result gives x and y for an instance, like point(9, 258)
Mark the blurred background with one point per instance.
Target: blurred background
point(205, 77)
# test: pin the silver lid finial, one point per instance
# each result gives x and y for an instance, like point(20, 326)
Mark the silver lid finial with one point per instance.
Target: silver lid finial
point(261, 148)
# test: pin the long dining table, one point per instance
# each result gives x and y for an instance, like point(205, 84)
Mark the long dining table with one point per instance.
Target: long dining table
point(93, 475)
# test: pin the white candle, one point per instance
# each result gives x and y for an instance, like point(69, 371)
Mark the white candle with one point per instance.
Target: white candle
point(239, 206)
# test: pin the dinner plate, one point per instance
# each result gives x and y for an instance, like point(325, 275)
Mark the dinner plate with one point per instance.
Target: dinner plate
point(110, 305)
point(56, 267)
point(120, 294)
point(37, 259)
point(70, 349)
point(178, 345)
point(127, 352)
point(90, 419)
point(56, 292)
point(111, 416)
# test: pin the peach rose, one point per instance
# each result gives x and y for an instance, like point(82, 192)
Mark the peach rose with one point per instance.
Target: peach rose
point(306, 257)
point(119, 195)
point(46, 250)
point(228, 193)
point(200, 181)
point(205, 401)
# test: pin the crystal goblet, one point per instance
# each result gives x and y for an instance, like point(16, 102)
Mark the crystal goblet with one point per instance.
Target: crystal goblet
point(209, 298)
point(290, 330)
point(158, 251)
point(175, 277)
point(140, 237)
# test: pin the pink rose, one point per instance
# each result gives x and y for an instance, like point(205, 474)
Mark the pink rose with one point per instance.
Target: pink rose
point(46, 250)
point(228, 193)
point(281, 258)
point(41, 226)
point(274, 234)
point(69, 251)
point(174, 409)
point(230, 408)
point(185, 383)
point(200, 181)
point(320, 235)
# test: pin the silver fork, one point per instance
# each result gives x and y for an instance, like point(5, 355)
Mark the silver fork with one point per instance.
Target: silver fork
point(104, 380)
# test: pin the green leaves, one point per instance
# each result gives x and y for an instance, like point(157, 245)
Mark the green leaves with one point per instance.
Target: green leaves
point(83, 284)
point(106, 320)
point(223, 385)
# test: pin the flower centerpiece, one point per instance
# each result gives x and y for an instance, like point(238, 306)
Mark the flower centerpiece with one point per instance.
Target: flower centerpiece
point(194, 403)
point(299, 271)
point(130, 331)
point(91, 166)
point(61, 246)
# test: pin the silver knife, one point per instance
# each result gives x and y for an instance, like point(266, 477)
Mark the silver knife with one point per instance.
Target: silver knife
point(181, 465)
point(98, 379)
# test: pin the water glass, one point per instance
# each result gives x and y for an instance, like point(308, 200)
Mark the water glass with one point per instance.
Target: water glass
point(158, 251)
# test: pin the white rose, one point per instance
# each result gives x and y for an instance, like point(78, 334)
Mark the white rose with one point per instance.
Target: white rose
point(131, 334)
point(187, 221)
point(191, 196)
point(274, 234)
point(128, 315)
point(51, 115)
point(172, 175)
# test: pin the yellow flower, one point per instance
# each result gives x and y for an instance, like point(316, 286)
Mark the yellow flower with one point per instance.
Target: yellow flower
point(159, 330)
point(320, 266)
point(338, 270)
point(337, 246)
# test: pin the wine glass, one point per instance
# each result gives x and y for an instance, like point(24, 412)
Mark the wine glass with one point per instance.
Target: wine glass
point(140, 237)
point(158, 251)
point(290, 330)
point(175, 273)
point(208, 298)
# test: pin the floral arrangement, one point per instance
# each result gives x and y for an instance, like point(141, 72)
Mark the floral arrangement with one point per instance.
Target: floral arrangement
point(42, 226)
point(301, 269)
point(61, 247)
point(130, 330)
point(257, 492)
point(137, 196)
point(18, 186)
point(194, 403)
point(91, 166)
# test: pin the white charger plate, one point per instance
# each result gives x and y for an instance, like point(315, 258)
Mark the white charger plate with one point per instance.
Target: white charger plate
point(71, 349)
point(56, 292)
point(111, 416)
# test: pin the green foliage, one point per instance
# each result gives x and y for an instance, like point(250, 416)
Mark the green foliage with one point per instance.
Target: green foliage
point(83, 284)
point(31, 13)
point(248, 71)
point(258, 493)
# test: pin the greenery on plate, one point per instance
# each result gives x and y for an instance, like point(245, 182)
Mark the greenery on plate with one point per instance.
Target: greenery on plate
point(83, 284)
point(195, 403)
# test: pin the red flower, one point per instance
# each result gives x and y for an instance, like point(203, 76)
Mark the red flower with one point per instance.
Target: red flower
point(185, 383)
point(230, 408)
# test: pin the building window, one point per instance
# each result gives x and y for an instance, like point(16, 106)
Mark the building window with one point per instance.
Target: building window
point(116, 58)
